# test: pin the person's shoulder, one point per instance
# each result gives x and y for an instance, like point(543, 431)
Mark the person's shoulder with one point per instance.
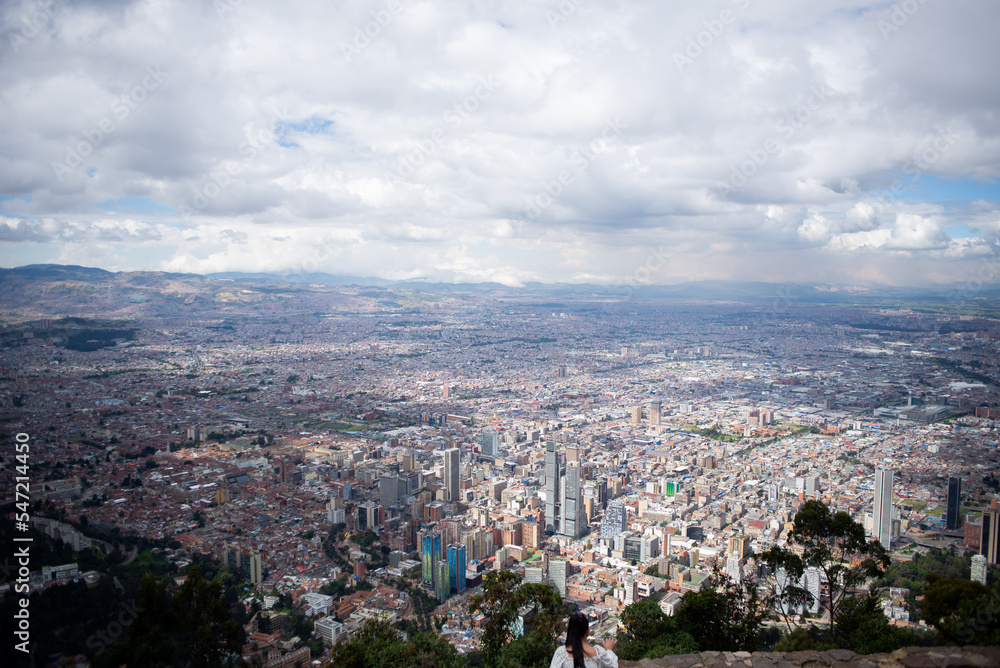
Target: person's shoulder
point(562, 649)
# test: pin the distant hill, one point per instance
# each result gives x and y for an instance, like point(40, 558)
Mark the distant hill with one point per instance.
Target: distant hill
point(45, 289)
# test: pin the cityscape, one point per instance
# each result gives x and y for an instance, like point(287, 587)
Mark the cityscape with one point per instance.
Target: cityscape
point(352, 452)
point(490, 333)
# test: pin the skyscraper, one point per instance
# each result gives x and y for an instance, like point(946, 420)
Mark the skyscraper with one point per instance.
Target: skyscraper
point(882, 513)
point(990, 546)
point(369, 516)
point(615, 520)
point(430, 545)
point(451, 473)
point(491, 442)
point(978, 573)
point(388, 489)
point(733, 567)
point(553, 472)
point(557, 575)
point(655, 413)
point(442, 580)
point(573, 523)
point(456, 566)
point(954, 503)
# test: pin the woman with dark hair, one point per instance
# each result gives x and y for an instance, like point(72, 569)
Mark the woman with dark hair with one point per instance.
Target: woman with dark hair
point(578, 653)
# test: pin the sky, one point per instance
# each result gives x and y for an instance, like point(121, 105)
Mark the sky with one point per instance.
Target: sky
point(582, 141)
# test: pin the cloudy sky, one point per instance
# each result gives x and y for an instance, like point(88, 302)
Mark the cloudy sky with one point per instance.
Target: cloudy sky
point(603, 141)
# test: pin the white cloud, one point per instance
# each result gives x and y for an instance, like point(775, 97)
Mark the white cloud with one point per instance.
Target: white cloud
point(420, 154)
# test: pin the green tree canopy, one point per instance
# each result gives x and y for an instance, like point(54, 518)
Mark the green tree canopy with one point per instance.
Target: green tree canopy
point(961, 611)
point(502, 599)
point(190, 626)
point(378, 645)
point(646, 632)
point(728, 616)
point(834, 544)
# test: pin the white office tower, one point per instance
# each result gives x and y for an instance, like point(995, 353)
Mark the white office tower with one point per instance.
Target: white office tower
point(882, 512)
point(615, 520)
point(557, 575)
point(451, 473)
point(574, 520)
point(553, 473)
point(650, 548)
point(811, 581)
point(534, 574)
point(733, 569)
point(979, 569)
point(491, 441)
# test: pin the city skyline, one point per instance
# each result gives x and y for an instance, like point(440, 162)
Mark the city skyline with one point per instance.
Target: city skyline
point(361, 452)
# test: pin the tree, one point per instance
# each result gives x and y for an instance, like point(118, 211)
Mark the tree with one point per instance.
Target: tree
point(192, 627)
point(835, 545)
point(499, 604)
point(789, 596)
point(863, 628)
point(728, 616)
point(645, 632)
point(378, 645)
point(501, 601)
point(961, 611)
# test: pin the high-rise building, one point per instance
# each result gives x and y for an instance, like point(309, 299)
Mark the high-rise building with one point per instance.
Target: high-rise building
point(810, 485)
point(811, 581)
point(491, 441)
point(733, 569)
point(442, 580)
point(655, 413)
point(615, 520)
point(430, 547)
point(557, 575)
point(882, 514)
point(990, 546)
point(601, 493)
point(388, 489)
point(636, 415)
point(456, 566)
point(553, 473)
point(954, 503)
point(532, 535)
point(369, 516)
point(739, 544)
point(245, 562)
point(979, 568)
point(451, 473)
point(534, 574)
point(407, 460)
point(649, 548)
point(573, 524)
